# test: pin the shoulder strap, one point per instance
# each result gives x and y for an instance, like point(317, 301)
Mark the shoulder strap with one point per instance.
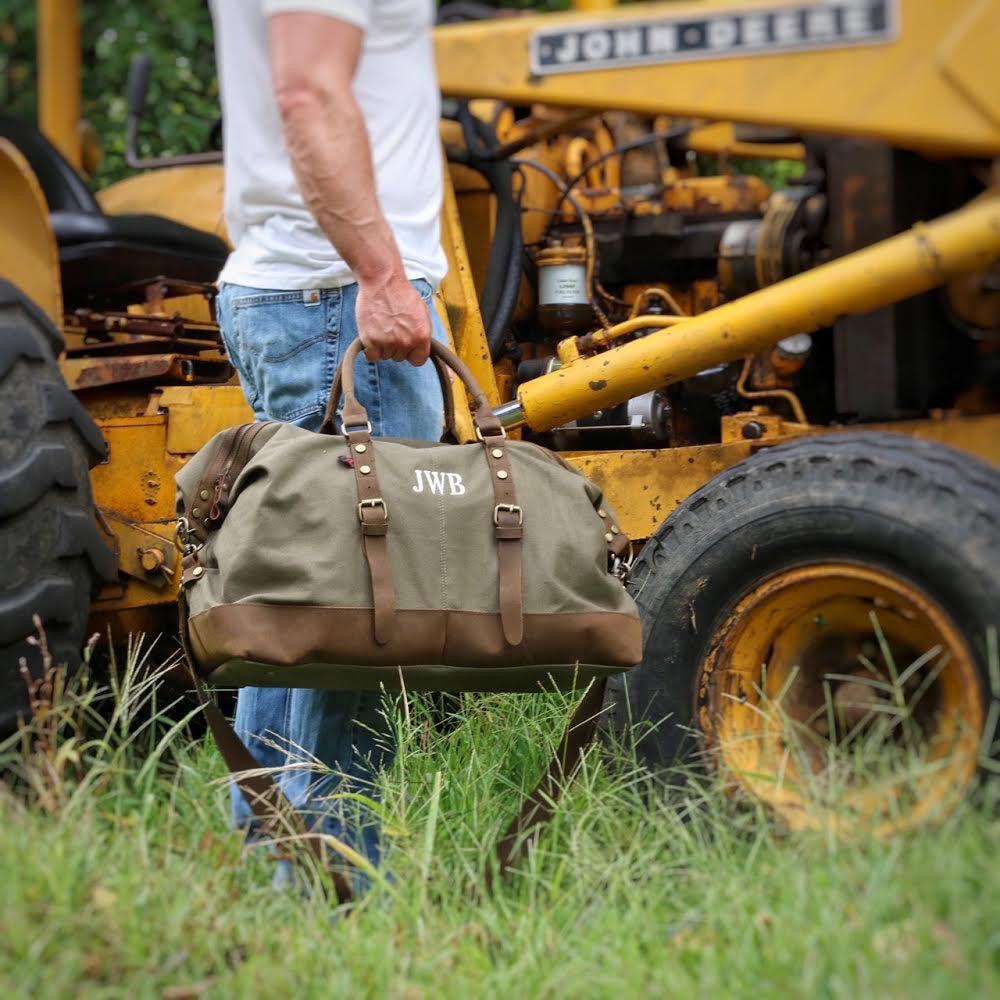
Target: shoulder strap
point(277, 814)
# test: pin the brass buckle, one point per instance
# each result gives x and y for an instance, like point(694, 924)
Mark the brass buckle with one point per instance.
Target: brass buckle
point(510, 508)
point(373, 502)
point(502, 435)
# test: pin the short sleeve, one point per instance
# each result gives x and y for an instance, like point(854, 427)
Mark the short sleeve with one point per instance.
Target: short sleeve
point(353, 11)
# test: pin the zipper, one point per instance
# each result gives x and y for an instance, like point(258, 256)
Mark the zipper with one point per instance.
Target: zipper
point(236, 460)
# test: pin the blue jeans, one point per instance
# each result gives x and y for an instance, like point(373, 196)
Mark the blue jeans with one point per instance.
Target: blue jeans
point(286, 347)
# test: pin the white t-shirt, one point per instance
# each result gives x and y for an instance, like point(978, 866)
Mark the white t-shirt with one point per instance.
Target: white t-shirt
point(277, 241)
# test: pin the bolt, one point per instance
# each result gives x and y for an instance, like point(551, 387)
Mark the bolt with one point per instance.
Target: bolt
point(152, 558)
point(752, 430)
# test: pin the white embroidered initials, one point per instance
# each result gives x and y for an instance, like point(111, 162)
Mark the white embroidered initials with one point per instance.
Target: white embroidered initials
point(436, 481)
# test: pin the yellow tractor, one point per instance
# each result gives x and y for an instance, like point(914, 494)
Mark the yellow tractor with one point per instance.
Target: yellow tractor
point(790, 393)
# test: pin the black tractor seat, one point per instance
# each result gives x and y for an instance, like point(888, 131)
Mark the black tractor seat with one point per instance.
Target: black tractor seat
point(99, 252)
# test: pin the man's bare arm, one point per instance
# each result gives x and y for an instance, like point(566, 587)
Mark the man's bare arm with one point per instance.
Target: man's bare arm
point(313, 61)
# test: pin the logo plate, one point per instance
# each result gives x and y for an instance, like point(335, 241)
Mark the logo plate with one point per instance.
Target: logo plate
point(764, 31)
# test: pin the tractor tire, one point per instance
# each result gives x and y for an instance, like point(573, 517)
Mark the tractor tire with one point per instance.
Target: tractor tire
point(761, 587)
point(52, 552)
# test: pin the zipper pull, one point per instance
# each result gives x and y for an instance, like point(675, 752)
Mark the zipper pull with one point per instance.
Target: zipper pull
point(216, 509)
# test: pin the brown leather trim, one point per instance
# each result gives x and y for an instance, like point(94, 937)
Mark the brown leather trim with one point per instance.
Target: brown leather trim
point(508, 531)
point(374, 517)
point(286, 635)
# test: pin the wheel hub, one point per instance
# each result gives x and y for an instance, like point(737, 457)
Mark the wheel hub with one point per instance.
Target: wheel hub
point(837, 692)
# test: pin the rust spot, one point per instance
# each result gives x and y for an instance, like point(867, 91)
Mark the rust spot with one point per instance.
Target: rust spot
point(598, 385)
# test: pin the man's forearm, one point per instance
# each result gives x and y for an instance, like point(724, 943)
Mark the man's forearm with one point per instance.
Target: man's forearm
point(331, 156)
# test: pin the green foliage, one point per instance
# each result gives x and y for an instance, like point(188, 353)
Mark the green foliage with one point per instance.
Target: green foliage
point(183, 95)
point(121, 878)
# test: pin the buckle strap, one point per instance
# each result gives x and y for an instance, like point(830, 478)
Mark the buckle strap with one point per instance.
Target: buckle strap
point(373, 516)
point(508, 530)
point(537, 809)
point(268, 802)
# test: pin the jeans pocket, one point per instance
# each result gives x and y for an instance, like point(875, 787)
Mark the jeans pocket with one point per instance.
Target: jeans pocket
point(289, 349)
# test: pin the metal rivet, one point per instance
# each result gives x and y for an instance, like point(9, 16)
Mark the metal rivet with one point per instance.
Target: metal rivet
point(196, 512)
point(609, 537)
point(365, 469)
point(204, 494)
point(198, 571)
point(602, 513)
point(502, 474)
point(614, 528)
point(360, 448)
point(497, 453)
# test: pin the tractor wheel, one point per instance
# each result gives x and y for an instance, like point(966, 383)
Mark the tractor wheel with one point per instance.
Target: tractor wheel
point(819, 622)
point(52, 553)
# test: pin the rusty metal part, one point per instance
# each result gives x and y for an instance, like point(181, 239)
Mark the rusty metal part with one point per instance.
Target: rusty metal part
point(109, 330)
point(573, 348)
point(92, 373)
point(722, 194)
point(194, 414)
point(768, 695)
point(644, 486)
point(922, 258)
point(144, 551)
point(775, 393)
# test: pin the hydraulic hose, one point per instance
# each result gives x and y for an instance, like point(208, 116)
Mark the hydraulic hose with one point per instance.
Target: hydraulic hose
point(503, 271)
point(508, 296)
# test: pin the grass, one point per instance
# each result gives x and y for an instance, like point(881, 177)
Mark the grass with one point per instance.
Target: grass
point(120, 877)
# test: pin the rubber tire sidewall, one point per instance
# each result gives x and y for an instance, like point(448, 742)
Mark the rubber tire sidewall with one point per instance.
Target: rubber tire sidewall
point(921, 511)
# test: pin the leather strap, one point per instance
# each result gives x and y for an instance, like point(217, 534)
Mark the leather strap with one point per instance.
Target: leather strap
point(207, 509)
point(538, 808)
point(444, 358)
point(373, 513)
point(508, 520)
point(278, 817)
point(329, 425)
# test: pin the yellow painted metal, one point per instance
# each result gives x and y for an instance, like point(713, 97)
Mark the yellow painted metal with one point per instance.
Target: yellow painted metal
point(191, 195)
point(28, 256)
point(145, 552)
point(195, 413)
point(645, 486)
point(907, 264)
point(968, 57)
point(458, 292)
point(719, 139)
point(903, 92)
point(58, 44)
point(138, 480)
point(784, 702)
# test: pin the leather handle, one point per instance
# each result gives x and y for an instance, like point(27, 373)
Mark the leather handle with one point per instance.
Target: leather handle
point(354, 414)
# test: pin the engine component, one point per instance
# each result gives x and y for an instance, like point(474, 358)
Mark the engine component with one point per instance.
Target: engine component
point(563, 303)
point(641, 422)
point(754, 253)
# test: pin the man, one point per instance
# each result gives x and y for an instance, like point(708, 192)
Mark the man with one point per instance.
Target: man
point(333, 195)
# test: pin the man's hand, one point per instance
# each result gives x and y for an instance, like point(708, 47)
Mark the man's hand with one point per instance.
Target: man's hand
point(392, 321)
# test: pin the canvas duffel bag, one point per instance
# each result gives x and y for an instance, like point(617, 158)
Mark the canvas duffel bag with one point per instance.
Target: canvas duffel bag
point(327, 560)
